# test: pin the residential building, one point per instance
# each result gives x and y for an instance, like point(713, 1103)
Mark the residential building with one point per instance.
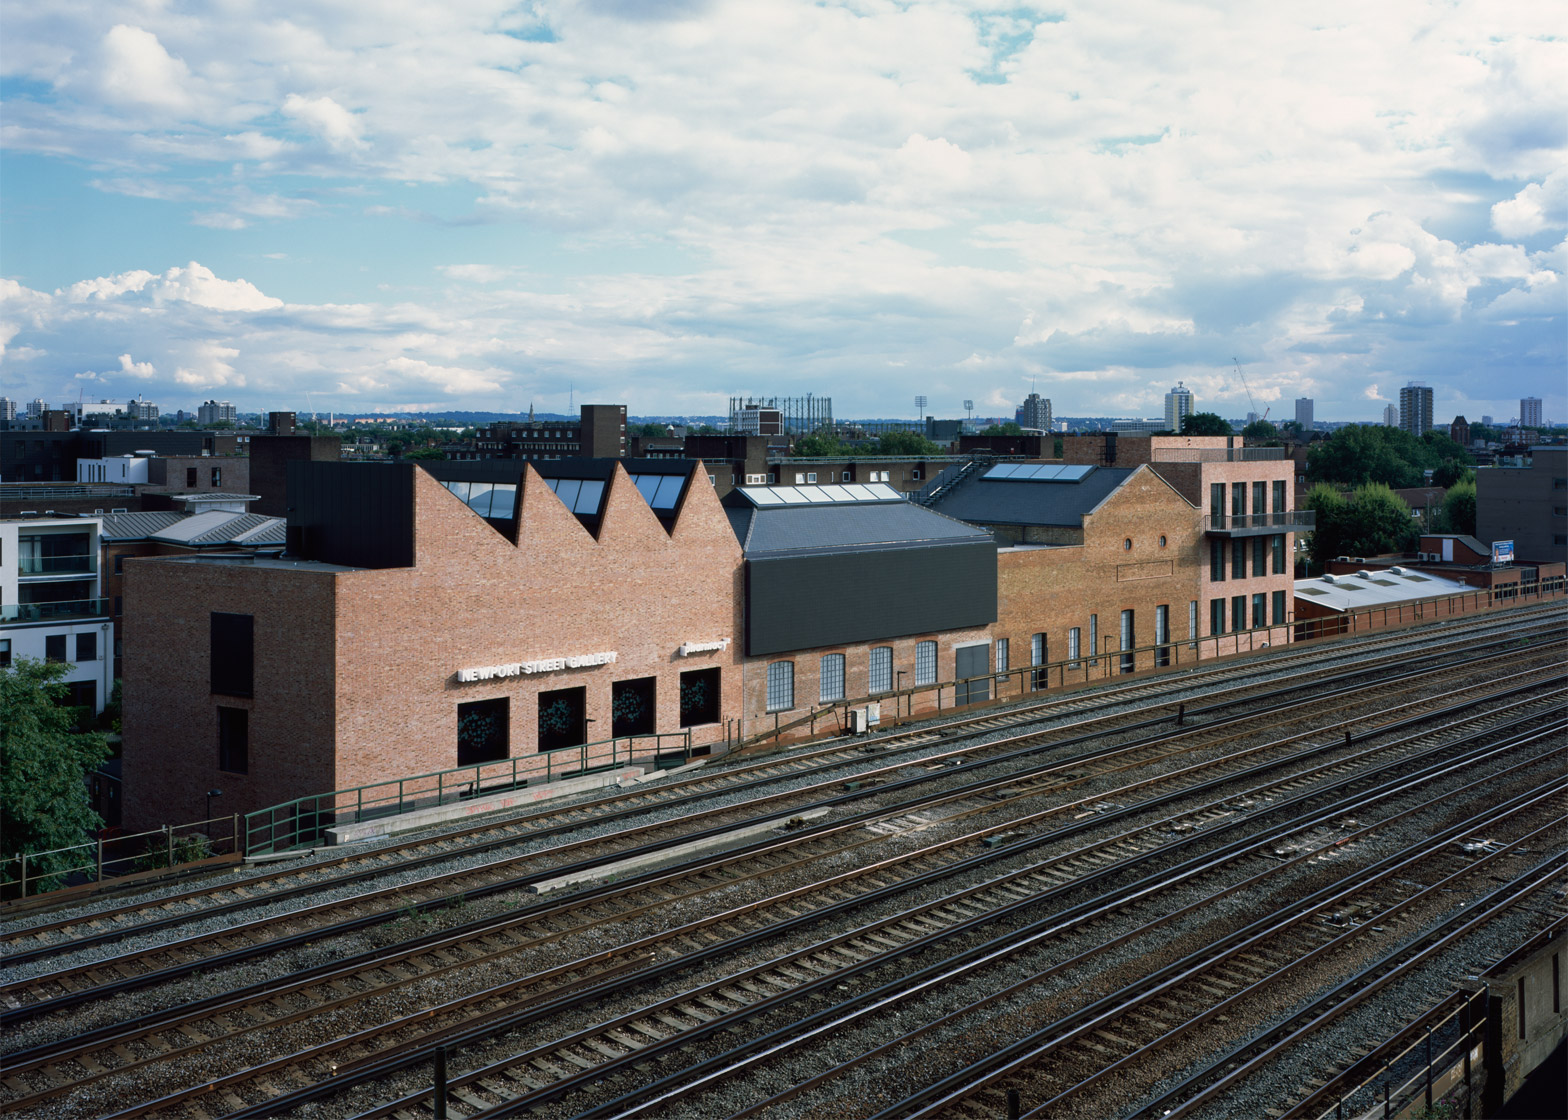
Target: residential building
point(1035, 413)
point(36, 407)
point(1415, 409)
point(1530, 412)
point(1178, 406)
point(139, 410)
point(1526, 504)
point(1304, 413)
point(1390, 416)
point(7, 409)
point(209, 413)
point(1459, 431)
point(599, 432)
point(51, 603)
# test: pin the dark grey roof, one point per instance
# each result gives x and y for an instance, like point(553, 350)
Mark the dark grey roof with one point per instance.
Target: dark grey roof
point(985, 501)
point(137, 526)
point(857, 527)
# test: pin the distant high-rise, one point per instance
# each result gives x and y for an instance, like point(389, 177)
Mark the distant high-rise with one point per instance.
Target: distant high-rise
point(1487, 420)
point(36, 407)
point(214, 412)
point(141, 410)
point(1304, 413)
point(1035, 413)
point(1390, 416)
point(1178, 406)
point(1530, 412)
point(7, 408)
point(1415, 408)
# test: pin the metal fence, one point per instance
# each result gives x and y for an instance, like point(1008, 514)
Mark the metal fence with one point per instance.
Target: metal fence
point(117, 855)
point(304, 821)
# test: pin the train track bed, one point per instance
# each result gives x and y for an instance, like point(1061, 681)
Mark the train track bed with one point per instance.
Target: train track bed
point(452, 849)
point(341, 1027)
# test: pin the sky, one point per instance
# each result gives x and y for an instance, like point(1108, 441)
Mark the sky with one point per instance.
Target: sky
point(370, 206)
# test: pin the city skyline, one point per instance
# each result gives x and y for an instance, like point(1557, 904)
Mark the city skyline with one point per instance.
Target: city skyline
point(404, 210)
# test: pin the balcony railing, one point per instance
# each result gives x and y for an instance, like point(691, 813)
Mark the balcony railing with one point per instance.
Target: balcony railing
point(1287, 521)
point(1216, 454)
point(54, 612)
point(79, 564)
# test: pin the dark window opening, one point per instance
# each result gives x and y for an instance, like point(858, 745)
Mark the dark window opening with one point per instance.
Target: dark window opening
point(699, 697)
point(233, 655)
point(483, 731)
point(563, 718)
point(54, 647)
point(87, 647)
point(234, 740)
point(632, 710)
point(190, 476)
point(5, 652)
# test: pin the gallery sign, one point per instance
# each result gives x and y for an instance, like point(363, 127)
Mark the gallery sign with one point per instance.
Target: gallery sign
point(529, 668)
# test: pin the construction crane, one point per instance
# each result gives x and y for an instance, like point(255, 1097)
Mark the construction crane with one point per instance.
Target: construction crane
point(1248, 388)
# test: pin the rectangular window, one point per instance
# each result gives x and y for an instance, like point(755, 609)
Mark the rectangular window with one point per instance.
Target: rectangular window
point(190, 476)
point(925, 663)
point(1001, 655)
point(1279, 608)
point(1162, 636)
point(915, 474)
point(232, 654)
point(1094, 639)
point(5, 652)
point(830, 677)
point(1277, 548)
point(1217, 504)
point(633, 707)
point(119, 563)
point(1192, 620)
point(234, 740)
point(54, 647)
point(880, 678)
point(1037, 657)
point(1259, 563)
point(1216, 616)
point(1238, 612)
point(800, 478)
point(1217, 560)
point(1259, 494)
point(1279, 497)
point(845, 477)
point(1259, 618)
point(483, 731)
point(117, 603)
point(563, 719)
point(1128, 640)
point(217, 476)
point(1238, 558)
point(1238, 499)
point(700, 697)
point(811, 476)
point(1074, 652)
point(781, 686)
point(87, 647)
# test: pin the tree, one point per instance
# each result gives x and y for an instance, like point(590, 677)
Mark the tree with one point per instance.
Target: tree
point(1205, 424)
point(1357, 455)
point(650, 429)
point(1330, 508)
point(1261, 430)
point(906, 443)
point(817, 445)
point(44, 763)
point(1373, 520)
point(426, 453)
point(1459, 508)
point(1291, 428)
point(1451, 472)
point(1011, 428)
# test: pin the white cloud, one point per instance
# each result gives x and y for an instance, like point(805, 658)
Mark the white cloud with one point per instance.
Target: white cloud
point(326, 118)
point(1537, 207)
point(137, 71)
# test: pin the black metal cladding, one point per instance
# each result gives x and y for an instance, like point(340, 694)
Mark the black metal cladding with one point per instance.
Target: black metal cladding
point(360, 515)
point(839, 598)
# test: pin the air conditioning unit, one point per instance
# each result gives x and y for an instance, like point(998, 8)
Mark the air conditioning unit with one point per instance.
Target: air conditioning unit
point(857, 721)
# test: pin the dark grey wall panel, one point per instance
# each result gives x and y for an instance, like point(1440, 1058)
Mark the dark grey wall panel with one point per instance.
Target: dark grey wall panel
point(357, 514)
point(802, 602)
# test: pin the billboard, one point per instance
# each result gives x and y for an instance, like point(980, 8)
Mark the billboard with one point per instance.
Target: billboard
point(1502, 552)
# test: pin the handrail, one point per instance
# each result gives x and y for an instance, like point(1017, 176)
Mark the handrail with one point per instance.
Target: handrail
point(45, 612)
point(1282, 519)
point(121, 854)
point(303, 821)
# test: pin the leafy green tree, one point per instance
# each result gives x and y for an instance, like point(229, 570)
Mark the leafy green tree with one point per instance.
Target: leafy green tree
point(1205, 424)
point(1331, 509)
point(44, 762)
point(817, 445)
point(1372, 521)
point(650, 429)
point(426, 453)
point(1360, 454)
point(1261, 431)
point(1459, 508)
point(1011, 428)
point(906, 443)
point(1291, 428)
point(1451, 472)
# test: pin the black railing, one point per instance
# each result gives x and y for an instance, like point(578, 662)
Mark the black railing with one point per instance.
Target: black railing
point(1287, 521)
point(50, 612)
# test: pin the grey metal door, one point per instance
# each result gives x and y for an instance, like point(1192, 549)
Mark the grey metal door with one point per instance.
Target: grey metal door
point(973, 661)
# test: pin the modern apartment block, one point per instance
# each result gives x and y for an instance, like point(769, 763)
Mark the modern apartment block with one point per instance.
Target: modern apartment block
point(1415, 409)
point(1304, 413)
point(51, 602)
point(1526, 504)
point(1530, 412)
point(1178, 406)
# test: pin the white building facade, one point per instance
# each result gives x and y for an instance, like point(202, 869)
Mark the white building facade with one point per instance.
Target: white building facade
point(51, 603)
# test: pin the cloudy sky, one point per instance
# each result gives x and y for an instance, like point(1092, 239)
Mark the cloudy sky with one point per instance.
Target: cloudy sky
point(399, 204)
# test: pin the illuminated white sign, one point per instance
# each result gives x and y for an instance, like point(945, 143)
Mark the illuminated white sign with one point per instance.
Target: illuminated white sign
point(689, 648)
point(528, 668)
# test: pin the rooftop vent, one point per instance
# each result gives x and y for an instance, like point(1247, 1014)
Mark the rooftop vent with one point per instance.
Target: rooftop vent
point(1329, 578)
point(1396, 570)
point(1364, 574)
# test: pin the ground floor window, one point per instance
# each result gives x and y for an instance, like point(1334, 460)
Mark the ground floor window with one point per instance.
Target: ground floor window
point(563, 718)
point(1238, 612)
point(234, 740)
point(1279, 608)
point(781, 686)
point(699, 697)
point(1216, 616)
point(54, 647)
point(1192, 621)
point(87, 647)
point(925, 663)
point(483, 731)
point(632, 710)
point(1129, 641)
point(881, 669)
point(1001, 655)
point(830, 677)
point(1259, 603)
point(5, 652)
point(1162, 635)
point(1074, 647)
point(1037, 657)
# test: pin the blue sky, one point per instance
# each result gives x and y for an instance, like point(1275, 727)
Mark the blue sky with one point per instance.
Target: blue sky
point(484, 205)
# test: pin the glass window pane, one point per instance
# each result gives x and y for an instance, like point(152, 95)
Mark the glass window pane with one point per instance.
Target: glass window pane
point(925, 663)
point(669, 491)
point(479, 498)
point(881, 676)
point(566, 489)
point(589, 497)
point(647, 486)
point(460, 489)
point(831, 678)
point(503, 500)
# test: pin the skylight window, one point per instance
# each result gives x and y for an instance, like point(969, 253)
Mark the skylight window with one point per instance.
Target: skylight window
point(1037, 472)
point(828, 495)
